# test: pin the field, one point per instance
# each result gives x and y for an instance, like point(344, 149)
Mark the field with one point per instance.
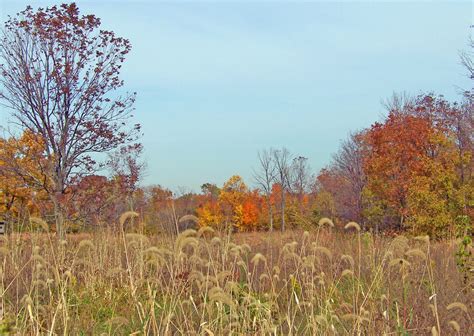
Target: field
point(324, 282)
point(220, 168)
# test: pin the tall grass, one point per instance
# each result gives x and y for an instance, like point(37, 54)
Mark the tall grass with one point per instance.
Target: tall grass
point(202, 282)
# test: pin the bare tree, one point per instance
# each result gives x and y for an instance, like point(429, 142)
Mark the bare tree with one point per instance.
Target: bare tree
point(265, 178)
point(58, 75)
point(399, 102)
point(282, 159)
point(464, 121)
point(348, 163)
point(467, 59)
point(300, 178)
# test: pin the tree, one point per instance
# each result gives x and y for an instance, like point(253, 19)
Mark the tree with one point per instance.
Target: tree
point(250, 211)
point(418, 166)
point(265, 178)
point(396, 150)
point(348, 163)
point(210, 190)
point(90, 201)
point(231, 198)
point(456, 121)
point(126, 170)
point(300, 178)
point(432, 202)
point(332, 195)
point(454, 126)
point(21, 162)
point(58, 77)
point(282, 159)
point(210, 214)
point(161, 208)
point(467, 60)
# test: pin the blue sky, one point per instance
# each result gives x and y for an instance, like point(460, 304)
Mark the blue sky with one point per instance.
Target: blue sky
point(218, 81)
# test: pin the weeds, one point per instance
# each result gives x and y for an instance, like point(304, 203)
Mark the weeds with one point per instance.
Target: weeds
point(204, 282)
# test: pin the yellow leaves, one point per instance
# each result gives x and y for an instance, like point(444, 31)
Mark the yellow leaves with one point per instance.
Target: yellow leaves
point(21, 160)
point(235, 204)
point(209, 214)
point(233, 192)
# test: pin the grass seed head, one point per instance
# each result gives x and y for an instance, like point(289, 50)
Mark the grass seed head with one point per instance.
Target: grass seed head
point(352, 225)
point(137, 237)
point(325, 222)
point(323, 250)
point(457, 305)
point(455, 325)
point(129, 215)
point(416, 253)
point(400, 262)
point(348, 258)
point(257, 258)
point(399, 244)
point(36, 221)
point(205, 230)
point(188, 218)
point(216, 241)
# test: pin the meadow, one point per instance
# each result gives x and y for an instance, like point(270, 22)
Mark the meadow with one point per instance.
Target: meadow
point(93, 245)
point(327, 281)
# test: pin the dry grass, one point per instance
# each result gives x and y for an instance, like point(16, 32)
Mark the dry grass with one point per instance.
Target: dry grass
point(317, 283)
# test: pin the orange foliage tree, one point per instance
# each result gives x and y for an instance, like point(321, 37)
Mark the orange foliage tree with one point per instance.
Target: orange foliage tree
point(412, 168)
point(397, 151)
point(22, 176)
point(236, 206)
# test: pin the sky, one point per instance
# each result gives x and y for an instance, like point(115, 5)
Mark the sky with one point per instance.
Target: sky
point(219, 81)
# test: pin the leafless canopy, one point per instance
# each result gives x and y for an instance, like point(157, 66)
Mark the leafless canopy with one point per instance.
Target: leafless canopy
point(300, 175)
point(265, 177)
point(467, 59)
point(282, 159)
point(348, 163)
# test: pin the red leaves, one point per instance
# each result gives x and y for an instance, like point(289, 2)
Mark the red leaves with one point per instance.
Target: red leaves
point(64, 71)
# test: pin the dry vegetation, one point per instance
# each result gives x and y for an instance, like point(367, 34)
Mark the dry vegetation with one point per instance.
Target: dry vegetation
point(324, 282)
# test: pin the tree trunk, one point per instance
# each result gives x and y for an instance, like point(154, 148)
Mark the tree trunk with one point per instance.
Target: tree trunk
point(56, 198)
point(283, 211)
point(59, 216)
point(270, 213)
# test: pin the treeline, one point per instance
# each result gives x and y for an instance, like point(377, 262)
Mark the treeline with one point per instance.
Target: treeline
point(412, 171)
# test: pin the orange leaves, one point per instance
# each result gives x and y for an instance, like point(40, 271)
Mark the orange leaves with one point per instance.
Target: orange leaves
point(397, 151)
point(413, 164)
point(22, 166)
point(235, 204)
point(251, 210)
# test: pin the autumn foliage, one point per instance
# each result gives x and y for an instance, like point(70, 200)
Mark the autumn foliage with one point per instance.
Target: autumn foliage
point(410, 171)
point(416, 168)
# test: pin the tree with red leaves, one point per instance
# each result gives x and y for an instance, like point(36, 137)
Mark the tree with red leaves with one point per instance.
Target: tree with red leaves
point(397, 148)
point(59, 73)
